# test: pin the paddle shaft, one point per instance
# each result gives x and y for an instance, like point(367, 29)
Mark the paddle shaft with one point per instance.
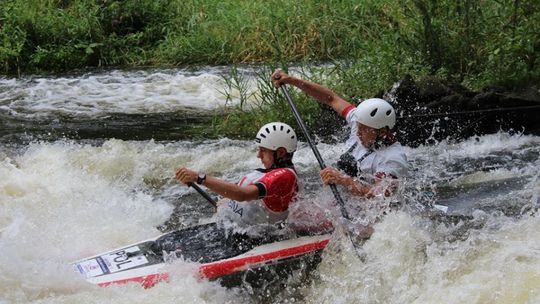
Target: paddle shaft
point(314, 149)
point(344, 212)
point(203, 193)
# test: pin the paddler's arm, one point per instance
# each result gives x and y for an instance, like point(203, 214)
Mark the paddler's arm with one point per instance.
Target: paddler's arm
point(221, 187)
point(330, 175)
point(317, 91)
point(386, 186)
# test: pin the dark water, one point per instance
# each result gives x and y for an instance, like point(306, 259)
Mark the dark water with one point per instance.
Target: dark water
point(189, 123)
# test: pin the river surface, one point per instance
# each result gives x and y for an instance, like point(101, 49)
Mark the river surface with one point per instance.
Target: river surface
point(86, 163)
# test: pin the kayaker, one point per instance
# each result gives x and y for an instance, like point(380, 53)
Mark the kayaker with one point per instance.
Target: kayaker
point(374, 159)
point(261, 198)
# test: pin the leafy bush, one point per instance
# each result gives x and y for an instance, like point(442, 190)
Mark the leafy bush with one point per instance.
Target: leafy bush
point(477, 43)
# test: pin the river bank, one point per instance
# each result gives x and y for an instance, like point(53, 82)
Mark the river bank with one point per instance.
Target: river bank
point(366, 48)
point(477, 44)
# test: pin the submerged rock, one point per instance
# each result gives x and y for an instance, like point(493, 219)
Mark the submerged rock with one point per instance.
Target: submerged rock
point(441, 111)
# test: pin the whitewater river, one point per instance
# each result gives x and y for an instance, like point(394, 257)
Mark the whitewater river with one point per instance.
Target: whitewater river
point(80, 174)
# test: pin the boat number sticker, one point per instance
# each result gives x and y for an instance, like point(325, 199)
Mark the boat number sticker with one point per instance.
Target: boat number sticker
point(120, 260)
point(124, 259)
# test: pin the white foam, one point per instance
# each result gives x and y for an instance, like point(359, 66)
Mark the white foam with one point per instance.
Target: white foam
point(94, 95)
point(404, 265)
point(65, 200)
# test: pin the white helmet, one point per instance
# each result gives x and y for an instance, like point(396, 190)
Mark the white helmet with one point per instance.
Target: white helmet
point(275, 135)
point(375, 113)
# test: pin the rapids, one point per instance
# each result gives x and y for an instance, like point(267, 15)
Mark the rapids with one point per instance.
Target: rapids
point(63, 199)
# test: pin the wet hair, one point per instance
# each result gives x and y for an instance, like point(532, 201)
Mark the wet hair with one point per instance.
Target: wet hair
point(284, 162)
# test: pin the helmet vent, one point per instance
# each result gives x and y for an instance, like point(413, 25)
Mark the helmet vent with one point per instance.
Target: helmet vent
point(374, 112)
point(276, 135)
point(388, 112)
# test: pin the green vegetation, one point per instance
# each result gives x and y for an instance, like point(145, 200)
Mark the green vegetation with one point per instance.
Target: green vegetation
point(267, 104)
point(372, 43)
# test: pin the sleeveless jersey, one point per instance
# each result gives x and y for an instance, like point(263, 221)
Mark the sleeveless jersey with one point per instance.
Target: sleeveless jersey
point(278, 189)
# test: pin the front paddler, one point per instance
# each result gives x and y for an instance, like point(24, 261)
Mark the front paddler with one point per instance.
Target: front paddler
point(262, 197)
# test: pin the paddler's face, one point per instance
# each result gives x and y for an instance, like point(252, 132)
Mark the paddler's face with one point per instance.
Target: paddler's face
point(367, 135)
point(266, 156)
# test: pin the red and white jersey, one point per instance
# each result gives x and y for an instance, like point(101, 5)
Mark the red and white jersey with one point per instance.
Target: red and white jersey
point(278, 188)
point(389, 161)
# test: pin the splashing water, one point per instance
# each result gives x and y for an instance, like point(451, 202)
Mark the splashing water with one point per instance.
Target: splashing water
point(64, 199)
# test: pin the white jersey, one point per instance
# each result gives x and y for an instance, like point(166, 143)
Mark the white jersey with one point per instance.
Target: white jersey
point(386, 161)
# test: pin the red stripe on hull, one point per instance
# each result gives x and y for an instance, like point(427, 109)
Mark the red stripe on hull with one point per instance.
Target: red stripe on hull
point(145, 281)
point(219, 269)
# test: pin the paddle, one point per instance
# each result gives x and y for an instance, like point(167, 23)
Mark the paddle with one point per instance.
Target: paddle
point(344, 212)
point(203, 193)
